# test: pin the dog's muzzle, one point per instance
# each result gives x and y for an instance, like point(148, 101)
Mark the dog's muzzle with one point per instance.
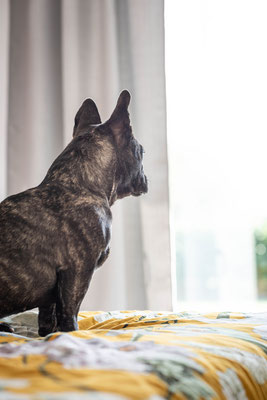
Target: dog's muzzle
point(140, 185)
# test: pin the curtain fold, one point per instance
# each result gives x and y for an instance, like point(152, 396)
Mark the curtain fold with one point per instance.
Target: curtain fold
point(62, 52)
point(4, 47)
point(35, 106)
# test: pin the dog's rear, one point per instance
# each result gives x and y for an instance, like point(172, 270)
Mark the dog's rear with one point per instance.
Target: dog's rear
point(27, 240)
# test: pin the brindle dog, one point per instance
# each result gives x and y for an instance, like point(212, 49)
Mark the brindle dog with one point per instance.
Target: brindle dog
point(53, 236)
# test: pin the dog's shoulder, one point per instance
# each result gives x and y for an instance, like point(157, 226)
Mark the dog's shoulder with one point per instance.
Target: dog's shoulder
point(79, 211)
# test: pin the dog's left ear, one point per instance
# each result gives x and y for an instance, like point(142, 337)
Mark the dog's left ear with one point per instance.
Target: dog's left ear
point(119, 122)
point(87, 115)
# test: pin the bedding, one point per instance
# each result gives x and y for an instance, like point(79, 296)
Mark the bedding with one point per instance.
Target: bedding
point(137, 355)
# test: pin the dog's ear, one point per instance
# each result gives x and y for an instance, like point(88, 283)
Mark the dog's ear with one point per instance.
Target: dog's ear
point(119, 122)
point(87, 115)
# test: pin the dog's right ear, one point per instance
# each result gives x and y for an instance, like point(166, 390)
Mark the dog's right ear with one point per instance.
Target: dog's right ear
point(119, 122)
point(86, 116)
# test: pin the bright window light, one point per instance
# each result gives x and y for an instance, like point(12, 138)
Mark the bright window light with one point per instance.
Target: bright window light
point(216, 72)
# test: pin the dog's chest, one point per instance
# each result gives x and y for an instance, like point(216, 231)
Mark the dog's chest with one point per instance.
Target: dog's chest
point(85, 232)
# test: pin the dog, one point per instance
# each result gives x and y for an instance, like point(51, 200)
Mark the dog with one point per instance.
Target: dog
point(53, 236)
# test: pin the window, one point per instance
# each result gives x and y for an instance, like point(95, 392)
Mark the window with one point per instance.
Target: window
point(216, 72)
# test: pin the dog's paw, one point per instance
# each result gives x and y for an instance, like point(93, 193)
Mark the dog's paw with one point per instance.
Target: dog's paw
point(44, 331)
point(4, 327)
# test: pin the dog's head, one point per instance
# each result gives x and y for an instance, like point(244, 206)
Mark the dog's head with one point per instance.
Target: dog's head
point(129, 178)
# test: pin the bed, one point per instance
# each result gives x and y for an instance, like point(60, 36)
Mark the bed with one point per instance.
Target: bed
point(137, 355)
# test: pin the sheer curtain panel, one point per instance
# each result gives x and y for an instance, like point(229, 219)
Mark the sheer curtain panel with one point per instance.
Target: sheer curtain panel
point(54, 55)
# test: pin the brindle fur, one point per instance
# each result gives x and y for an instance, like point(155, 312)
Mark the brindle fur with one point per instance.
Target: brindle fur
point(55, 235)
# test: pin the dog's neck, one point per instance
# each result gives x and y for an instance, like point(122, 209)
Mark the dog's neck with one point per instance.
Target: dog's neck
point(95, 173)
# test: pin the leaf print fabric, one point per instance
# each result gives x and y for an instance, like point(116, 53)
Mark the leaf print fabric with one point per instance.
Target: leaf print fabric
point(137, 355)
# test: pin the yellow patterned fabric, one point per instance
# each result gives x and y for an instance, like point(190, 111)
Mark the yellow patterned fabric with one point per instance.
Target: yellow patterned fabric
point(137, 355)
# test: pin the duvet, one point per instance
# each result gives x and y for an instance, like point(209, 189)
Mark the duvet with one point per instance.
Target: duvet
point(137, 355)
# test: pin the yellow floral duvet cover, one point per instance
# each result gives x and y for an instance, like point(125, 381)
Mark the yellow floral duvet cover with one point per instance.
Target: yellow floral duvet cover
point(137, 355)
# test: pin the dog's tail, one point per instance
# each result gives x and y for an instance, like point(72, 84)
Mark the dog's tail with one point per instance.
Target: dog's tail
point(4, 327)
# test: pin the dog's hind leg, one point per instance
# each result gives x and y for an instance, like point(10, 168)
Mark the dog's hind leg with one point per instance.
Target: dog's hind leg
point(47, 319)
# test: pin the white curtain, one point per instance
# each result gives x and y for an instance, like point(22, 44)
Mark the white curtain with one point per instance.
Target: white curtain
point(54, 55)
